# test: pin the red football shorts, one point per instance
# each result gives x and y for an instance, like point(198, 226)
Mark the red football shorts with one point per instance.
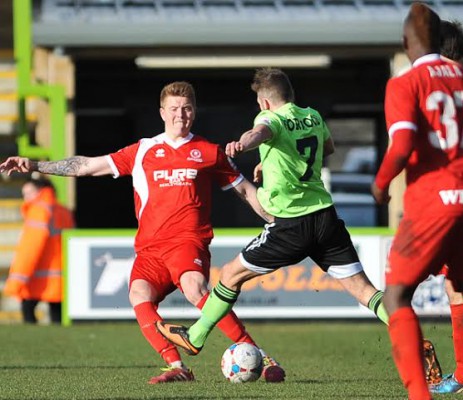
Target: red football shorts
point(422, 246)
point(164, 264)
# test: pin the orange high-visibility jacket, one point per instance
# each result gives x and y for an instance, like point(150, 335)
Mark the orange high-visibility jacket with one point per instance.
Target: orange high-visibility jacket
point(35, 272)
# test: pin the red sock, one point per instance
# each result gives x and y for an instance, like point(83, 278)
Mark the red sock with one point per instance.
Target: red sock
point(230, 325)
point(407, 339)
point(146, 316)
point(457, 327)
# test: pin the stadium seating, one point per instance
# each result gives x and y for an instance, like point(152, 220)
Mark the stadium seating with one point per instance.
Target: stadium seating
point(148, 22)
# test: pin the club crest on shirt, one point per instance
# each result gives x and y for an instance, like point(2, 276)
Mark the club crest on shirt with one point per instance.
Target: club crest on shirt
point(195, 155)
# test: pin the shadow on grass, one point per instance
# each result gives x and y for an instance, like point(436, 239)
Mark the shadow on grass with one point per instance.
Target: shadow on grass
point(323, 382)
point(7, 367)
point(347, 381)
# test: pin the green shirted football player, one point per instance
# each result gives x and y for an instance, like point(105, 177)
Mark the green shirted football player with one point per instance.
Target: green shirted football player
point(292, 143)
point(297, 139)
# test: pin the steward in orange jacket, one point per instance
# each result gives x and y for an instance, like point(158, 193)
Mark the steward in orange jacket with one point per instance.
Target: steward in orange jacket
point(35, 273)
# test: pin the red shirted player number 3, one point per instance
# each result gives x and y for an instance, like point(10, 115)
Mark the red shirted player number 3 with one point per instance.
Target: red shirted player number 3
point(448, 118)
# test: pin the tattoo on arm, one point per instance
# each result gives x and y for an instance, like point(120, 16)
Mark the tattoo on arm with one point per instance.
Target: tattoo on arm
point(72, 166)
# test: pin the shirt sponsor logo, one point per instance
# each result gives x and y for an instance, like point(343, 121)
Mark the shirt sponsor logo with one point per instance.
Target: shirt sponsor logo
point(451, 197)
point(175, 177)
point(195, 155)
point(160, 153)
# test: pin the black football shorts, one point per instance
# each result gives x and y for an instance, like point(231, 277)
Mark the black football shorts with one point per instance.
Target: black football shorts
point(321, 235)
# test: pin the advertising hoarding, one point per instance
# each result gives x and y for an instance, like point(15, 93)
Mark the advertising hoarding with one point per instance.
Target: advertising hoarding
point(99, 264)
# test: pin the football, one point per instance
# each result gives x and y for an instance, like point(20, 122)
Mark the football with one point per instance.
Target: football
point(242, 362)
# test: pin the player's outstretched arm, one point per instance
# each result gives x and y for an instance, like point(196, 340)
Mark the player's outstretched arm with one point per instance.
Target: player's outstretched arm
point(248, 192)
point(72, 166)
point(249, 140)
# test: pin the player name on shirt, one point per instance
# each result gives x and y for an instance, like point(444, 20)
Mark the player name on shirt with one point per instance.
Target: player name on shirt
point(450, 71)
point(301, 124)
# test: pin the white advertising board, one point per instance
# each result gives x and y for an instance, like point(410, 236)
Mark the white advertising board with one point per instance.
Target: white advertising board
point(98, 271)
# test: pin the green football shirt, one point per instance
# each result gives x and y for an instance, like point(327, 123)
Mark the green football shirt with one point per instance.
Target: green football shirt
point(292, 162)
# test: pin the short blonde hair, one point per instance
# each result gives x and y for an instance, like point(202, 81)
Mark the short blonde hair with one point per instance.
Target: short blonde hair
point(178, 89)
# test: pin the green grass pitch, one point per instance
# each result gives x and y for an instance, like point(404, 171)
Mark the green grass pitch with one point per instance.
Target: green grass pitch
point(99, 361)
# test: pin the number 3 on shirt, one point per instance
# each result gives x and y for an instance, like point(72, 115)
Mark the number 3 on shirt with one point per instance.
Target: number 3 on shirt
point(303, 144)
point(448, 117)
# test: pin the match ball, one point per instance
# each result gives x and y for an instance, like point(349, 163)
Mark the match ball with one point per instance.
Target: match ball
point(242, 362)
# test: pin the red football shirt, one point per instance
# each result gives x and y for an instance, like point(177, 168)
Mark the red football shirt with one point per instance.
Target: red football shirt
point(172, 184)
point(428, 100)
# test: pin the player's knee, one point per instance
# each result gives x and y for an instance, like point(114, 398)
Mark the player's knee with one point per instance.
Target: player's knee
point(194, 286)
point(194, 292)
point(233, 276)
point(136, 297)
point(141, 293)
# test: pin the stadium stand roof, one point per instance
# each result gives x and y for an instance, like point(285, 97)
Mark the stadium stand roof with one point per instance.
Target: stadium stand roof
point(225, 22)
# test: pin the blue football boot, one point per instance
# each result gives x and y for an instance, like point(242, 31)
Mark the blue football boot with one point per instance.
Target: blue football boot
point(448, 385)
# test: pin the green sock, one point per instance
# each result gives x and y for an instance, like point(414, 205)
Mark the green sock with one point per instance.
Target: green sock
point(376, 305)
point(219, 304)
